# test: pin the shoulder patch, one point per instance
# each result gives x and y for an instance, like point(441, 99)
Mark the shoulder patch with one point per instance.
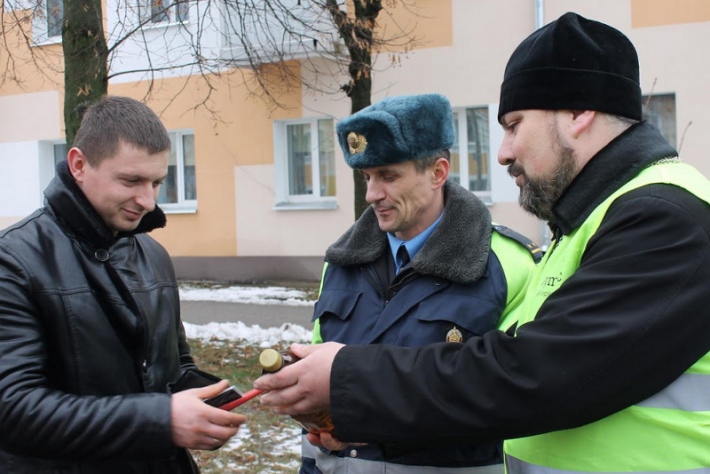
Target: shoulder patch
point(532, 247)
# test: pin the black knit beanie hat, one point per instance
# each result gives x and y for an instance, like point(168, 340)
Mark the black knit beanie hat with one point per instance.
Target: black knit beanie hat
point(573, 64)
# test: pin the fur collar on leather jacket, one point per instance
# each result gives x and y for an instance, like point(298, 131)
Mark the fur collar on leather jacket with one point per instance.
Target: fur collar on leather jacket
point(457, 250)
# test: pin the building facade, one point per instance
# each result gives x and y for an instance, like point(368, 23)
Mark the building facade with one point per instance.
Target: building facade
point(258, 192)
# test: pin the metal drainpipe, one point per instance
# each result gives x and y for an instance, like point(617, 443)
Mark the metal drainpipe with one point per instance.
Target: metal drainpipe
point(539, 13)
point(539, 22)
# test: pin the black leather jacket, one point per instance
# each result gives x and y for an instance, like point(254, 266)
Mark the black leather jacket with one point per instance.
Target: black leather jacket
point(90, 337)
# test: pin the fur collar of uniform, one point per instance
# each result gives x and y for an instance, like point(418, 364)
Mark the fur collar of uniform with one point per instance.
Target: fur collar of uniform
point(457, 250)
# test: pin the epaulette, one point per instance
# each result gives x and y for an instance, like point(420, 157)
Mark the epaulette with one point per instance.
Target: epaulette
point(532, 247)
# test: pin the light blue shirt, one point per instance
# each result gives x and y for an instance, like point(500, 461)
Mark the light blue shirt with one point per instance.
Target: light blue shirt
point(413, 246)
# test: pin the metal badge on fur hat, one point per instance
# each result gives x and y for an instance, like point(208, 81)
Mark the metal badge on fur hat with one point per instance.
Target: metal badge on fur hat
point(397, 129)
point(573, 64)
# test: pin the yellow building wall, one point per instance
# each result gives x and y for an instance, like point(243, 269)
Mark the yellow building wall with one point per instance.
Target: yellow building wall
point(460, 50)
point(23, 69)
point(645, 13)
point(233, 131)
point(232, 128)
point(429, 22)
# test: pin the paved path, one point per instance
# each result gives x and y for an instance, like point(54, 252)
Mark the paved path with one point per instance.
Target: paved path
point(203, 312)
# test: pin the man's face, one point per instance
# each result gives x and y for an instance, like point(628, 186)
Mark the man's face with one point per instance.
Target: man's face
point(404, 200)
point(539, 158)
point(122, 188)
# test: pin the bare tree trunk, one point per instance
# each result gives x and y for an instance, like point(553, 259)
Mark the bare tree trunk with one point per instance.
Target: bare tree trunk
point(357, 33)
point(85, 60)
point(360, 97)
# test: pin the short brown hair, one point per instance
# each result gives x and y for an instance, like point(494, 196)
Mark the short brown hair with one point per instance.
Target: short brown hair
point(422, 164)
point(116, 119)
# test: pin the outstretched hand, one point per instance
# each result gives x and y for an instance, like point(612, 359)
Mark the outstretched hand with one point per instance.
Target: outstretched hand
point(196, 425)
point(302, 387)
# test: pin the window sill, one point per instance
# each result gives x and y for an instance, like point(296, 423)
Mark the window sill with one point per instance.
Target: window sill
point(165, 24)
point(52, 40)
point(306, 206)
point(177, 209)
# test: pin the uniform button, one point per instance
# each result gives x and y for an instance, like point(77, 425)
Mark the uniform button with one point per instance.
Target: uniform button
point(101, 255)
point(145, 366)
point(353, 453)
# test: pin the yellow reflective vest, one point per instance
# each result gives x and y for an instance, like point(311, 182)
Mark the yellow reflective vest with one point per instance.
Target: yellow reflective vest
point(667, 433)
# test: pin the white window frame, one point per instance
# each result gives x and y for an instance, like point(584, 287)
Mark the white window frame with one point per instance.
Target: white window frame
point(183, 205)
point(47, 165)
point(462, 135)
point(284, 200)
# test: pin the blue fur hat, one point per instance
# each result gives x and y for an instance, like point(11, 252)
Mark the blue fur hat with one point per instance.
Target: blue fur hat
point(397, 129)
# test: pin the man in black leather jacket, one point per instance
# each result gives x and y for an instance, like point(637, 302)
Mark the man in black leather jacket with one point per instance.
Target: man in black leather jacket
point(90, 328)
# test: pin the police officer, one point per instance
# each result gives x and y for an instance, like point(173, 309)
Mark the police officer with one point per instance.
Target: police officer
point(423, 264)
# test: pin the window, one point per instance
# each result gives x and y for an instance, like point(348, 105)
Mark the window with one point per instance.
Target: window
point(471, 151)
point(305, 163)
point(47, 22)
point(50, 152)
point(60, 152)
point(179, 190)
point(660, 111)
point(55, 17)
point(168, 11)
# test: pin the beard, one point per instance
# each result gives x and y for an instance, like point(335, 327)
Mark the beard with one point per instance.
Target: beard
point(538, 196)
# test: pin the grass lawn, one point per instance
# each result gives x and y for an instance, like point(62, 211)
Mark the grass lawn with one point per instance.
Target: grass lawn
point(266, 443)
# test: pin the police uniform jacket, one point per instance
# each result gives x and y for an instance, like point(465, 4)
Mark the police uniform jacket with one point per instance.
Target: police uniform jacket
point(630, 320)
point(90, 337)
